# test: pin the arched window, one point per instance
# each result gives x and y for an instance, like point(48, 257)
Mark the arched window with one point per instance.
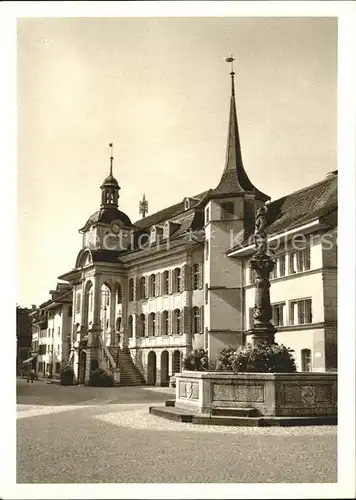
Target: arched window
point(165, 323)
point(177, 322)
point(166, 282)
point(131, 289)
point(306, 360)
point(142, 325)
point(152, 324)
point(119, 293)
point(177, 280)
point(142, 287)
point(152, 285)
point(196, 277)
point(130, 326)
point(196, 320)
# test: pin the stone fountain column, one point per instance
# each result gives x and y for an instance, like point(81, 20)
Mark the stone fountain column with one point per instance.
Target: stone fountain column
point(263, 331)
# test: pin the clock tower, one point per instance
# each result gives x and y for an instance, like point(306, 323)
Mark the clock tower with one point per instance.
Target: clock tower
point(108, 228)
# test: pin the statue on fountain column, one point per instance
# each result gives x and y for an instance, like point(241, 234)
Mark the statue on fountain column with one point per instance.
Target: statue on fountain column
point(260, 236)
point(262, 264)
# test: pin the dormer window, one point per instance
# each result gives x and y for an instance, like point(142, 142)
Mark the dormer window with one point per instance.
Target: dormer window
point(186, 204)
point(153, 235)
point(169, 228)
point(166, 230)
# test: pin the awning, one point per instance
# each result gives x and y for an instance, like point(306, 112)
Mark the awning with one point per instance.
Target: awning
point(28, 360)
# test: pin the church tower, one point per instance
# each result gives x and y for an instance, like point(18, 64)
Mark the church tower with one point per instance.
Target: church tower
point(228, 218)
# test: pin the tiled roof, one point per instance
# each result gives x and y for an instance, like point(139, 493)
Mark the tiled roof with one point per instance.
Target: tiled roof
point(168, 213)
point(301, 207)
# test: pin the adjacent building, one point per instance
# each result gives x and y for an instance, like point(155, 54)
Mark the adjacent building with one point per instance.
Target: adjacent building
point(143, 294)
point(51, 328)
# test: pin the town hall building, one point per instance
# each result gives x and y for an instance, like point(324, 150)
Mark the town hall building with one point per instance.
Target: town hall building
point(143, 294)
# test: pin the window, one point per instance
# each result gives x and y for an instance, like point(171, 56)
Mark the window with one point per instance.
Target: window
point(152, 285)
point(306, 360)
point(142, 325)
point(299, 260)
point(130, 324)
point(177, 322)
point(166, 282)
point(207, 215)
point(303, 259)
point(131, 289)
point(142, 294)
point(227, 210)
point(206, 249)
point(77, 303)
point(119, 294)
point(301, 312)
point(165, 323)
point(177, 280)
point(152, 324)
point(282, 264)
point(42, 349)
point(70, 310)
point(206, 293)
point(57, 368)
point(251, 275)
point(278, 314)
point(59, 330)
point(196, 320)
point(196, 277)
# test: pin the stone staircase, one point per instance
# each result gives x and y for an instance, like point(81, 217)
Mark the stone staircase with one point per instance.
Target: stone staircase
point(129, 373)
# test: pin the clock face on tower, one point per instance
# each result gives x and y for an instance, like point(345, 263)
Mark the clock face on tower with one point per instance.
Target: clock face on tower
point(115, 227)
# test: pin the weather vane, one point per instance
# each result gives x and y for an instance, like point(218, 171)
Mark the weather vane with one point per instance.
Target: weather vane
point(231, 60)
point(143, 206)
point(111, 146)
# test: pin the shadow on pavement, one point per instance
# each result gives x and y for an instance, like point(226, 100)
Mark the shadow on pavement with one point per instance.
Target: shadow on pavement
point(42, 393)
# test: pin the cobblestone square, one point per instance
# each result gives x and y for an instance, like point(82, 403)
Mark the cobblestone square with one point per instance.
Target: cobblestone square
point(106, 435)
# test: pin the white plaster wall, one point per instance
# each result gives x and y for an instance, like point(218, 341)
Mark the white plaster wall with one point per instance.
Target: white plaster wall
point(298, 286)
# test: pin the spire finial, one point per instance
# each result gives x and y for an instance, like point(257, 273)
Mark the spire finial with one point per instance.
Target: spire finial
point(111, 146)
point(231, 60)
point(143, 206)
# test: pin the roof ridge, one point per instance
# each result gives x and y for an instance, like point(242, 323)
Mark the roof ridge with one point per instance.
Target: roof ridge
point(170, 207)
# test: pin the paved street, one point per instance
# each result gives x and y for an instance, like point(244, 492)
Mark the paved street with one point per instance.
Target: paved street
point(105, 435)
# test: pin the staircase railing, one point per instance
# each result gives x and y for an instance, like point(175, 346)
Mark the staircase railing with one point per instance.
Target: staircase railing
point(108, 354)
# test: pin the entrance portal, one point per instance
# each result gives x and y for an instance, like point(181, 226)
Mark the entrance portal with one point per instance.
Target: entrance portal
point(151, 368)
point(176, 362)
point(164, 369)
point(81, 366)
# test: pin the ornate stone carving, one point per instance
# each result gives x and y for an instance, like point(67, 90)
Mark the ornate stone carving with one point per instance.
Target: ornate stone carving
point(307, 394)
point(189, 390)
point(242, 393)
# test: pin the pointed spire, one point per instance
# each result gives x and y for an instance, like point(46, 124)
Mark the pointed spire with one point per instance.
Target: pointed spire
point(110, 187)
point(111, 145)
point(234, 178)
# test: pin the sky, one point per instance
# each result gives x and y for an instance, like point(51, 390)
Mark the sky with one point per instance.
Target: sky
point(159, 90)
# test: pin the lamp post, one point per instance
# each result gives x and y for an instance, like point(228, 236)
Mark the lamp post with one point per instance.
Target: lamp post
point(263, 331)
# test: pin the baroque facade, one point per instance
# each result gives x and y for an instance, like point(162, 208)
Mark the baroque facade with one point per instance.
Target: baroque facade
point(146, 293)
